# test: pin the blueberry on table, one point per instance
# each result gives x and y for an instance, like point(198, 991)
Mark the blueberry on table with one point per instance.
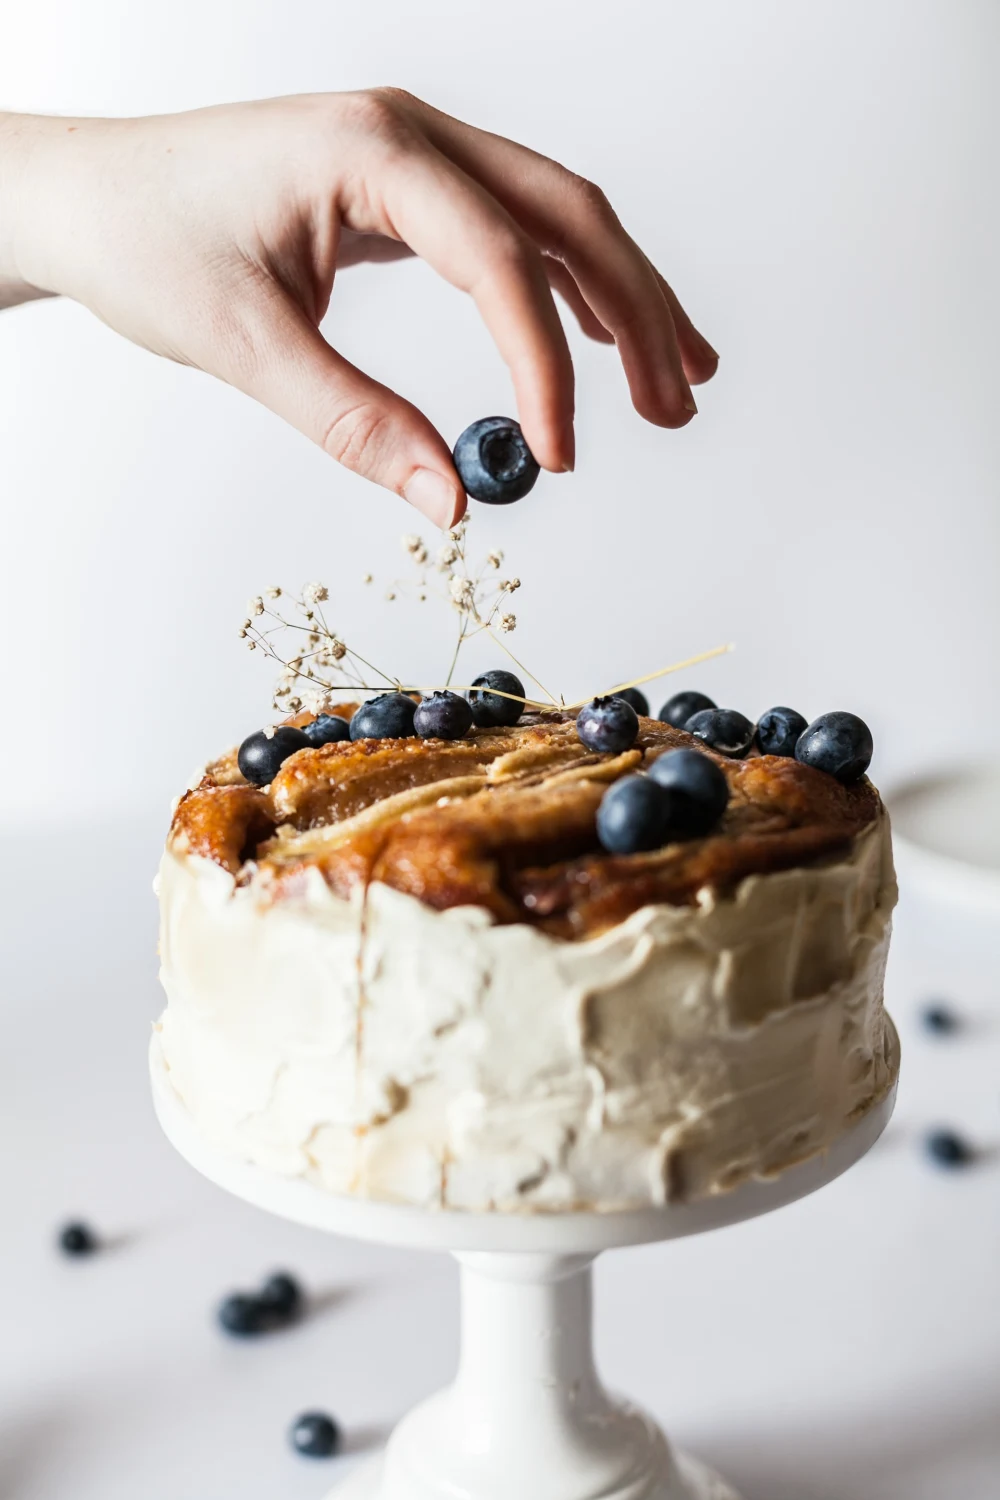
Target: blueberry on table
point(387, 717)
point(489, 709)
point(778, 731)
point(608, 725)
point(697, 789)
point(939, 1019)
point(724, 729)
point(261, 756)
point(315, 1435)
point(327, 729)
point(838, 743)
point(443, 716)
point(282, 1295)
point(77, 1239)
point(678, 709)
point(244, 1315)
point(494, 462)
point(638, 701)
point(948, 1148)
point(633, 816)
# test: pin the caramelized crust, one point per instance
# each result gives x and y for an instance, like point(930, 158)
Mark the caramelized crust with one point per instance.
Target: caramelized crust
point(505, 819)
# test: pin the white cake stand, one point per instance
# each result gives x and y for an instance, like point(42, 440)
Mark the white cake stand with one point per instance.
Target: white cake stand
point(527, 1417)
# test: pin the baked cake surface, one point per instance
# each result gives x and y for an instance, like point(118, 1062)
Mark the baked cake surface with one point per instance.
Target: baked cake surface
point(405, 969)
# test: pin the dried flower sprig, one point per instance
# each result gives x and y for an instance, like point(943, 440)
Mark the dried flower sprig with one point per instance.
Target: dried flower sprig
point(324, 664)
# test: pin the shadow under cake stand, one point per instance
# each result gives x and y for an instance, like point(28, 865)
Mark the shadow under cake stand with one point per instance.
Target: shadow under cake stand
point(526, 1417)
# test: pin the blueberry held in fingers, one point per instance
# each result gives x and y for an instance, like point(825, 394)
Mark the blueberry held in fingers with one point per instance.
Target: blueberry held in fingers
point(443, 716)
point(724, 729)
point(315, 1435)
point(838, 743)
point(608, 725)
point(387, 717)
point(778, 731)
point(697, 788)
point(261, 756)
point(492, 710)
point(638, 700)
point(494, 462)
point(327, 729)
point(633, 816)
point(678, 709)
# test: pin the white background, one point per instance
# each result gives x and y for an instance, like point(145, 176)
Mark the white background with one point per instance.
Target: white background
point(819, 182)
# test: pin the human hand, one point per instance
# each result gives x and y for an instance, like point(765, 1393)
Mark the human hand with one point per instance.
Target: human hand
point(214, 238)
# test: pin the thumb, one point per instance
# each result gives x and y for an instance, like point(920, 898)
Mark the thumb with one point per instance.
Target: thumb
point(359, 422)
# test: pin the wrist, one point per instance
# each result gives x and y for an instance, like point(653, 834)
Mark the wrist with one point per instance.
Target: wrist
point(24, 145)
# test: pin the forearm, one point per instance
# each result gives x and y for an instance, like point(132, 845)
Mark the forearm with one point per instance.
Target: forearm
point(21, 137)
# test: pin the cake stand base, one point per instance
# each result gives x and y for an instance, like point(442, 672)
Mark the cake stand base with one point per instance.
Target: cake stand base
point(692, 1481)
point(526, 1417)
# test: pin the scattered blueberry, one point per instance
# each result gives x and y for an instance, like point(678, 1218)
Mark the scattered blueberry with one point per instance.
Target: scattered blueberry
point(678, 709)
point(245, 1315)
point(261, 757)
point(282, 1295)
point(327, 729)
point(77, 1239)
point(948, 1149)
point(638, 700)
point(839, 743)
point(727, 731)
point(387, 717)
point(778, 731)
point(315, 1434)
point(494, 462)
point(633, 815)
point(939, 1018)
point(697, 789)
point(489, 710)
point(609, 725)
point(443, 716)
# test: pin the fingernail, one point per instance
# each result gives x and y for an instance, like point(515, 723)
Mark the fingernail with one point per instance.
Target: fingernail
point(433, 494)
point(689, 403)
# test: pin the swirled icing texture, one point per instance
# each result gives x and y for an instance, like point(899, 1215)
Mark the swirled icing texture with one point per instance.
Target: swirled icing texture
point(379, 1047)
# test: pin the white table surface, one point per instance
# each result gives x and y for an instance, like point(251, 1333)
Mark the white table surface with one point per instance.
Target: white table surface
point(845, 1348)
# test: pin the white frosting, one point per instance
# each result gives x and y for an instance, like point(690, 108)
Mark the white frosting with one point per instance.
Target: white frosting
point(383, 1048)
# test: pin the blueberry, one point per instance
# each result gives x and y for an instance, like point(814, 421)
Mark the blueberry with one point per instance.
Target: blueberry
point(939, 1018)
point(387, 717)
point(839, 743)
point(494, 462)
point(609, 725)
point(443, 716)
point(727, 731)
point(633, 815)
point(678, 709)
point(948, 1149)
point(778, 731)
point(327, 729)
point(315, 1434)
point(638, 700)
point(489, 710)
point(281, 1294)
point(77, 1239)
point(260, 758)
point(697, 788)
point(245, 1315)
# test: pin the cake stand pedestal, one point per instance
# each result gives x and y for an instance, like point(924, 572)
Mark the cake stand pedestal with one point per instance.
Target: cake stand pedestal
point(527, 1417)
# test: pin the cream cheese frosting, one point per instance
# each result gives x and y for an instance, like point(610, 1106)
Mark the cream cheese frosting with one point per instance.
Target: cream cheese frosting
point(379, 1047)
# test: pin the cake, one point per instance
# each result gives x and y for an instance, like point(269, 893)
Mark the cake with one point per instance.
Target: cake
point(406, 969)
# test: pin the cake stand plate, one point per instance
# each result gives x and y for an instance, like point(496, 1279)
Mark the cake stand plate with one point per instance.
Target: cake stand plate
point(527, 1417)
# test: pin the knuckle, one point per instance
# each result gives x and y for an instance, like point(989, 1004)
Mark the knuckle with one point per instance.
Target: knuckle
point(592, 201)
point(377, 114)
point(357, 437)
